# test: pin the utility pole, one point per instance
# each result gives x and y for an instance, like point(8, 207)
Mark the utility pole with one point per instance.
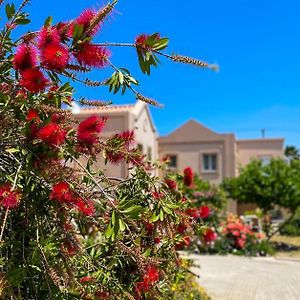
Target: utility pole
point(263, 133)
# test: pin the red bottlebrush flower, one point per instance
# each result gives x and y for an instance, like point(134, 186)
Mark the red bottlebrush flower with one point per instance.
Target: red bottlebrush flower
point(183, 199)
point(25, 57)
point(32, 115)
point(157, 195)
point(85, 206)
point(172, 184)
point(114, 157)
point(8, 198)
point(85, 279)
point(48, 35)
point(89, 129)
point(52, 134)
point(70, 248)
point(240, 243)
point(193, 212)
point(141, 39)
point(55, 57)
point(152, 274)
point(204, 212)
point(209, 235)
point(101, 295)
point(188, 176)
point(157, 240)
point(184, 243)
point(33, 80)
point(127, 136)
point(149, 227)
point(181, 228)
point(61, 192)
point(92, 55)
point(85, 19)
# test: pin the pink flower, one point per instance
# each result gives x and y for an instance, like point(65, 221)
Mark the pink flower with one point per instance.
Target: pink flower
point(33, 80)
point(89, 129)
point(209, 235)
point(52, 134)
point(25, 57)
point(172, 184)
point(92, 55)
point(55, 57)
point(204, 212)
point(86, 207)
point(8, 198)
point(48, 35)
point(61, 192)
point(188, 176)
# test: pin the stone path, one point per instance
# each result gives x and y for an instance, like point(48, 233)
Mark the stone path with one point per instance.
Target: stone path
point(241, 278)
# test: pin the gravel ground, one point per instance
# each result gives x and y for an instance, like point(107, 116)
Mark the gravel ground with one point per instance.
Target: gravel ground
point(242, 278)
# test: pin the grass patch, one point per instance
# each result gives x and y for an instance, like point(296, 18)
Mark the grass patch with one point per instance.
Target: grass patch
point(290, 240)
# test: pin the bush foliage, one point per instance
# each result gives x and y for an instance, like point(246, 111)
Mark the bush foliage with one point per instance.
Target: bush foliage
point(67, 230)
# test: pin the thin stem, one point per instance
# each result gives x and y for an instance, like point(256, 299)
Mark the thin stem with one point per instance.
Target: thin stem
point(4, 223)
point(108, 44)
point(110, 199)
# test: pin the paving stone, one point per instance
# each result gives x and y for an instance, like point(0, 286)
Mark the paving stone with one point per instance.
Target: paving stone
point(242, 278)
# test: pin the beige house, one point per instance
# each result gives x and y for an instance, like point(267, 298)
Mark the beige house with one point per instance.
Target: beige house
point(120, 118)
point(212, 155)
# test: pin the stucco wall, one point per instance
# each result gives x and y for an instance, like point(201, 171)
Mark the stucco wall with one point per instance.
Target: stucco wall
point(116, 123)
point(258, 149)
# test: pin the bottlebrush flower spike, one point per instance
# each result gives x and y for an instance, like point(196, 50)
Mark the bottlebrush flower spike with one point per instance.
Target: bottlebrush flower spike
point(188, 176)
point(92, 55)
point(85, 19)
point(61, 192)
point(89, 129)
point(33, 80)
point(25, 57)
point(204, 212)
point(32, 115)
point(85, 206)
point(52, 134)
point(8, 198)
point(48, 35)
point(55, 57)
point(209, 235)
point(172, 184)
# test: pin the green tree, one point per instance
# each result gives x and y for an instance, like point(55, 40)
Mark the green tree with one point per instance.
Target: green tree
point(291, 152)
point(277, 183)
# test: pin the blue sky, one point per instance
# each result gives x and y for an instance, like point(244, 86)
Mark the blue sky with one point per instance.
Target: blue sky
point(255, 42)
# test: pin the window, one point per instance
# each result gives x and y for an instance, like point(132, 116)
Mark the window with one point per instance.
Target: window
point(172, 161)
point(149, 153)
point(140, 148)
point(209, 162)
point(265, 160)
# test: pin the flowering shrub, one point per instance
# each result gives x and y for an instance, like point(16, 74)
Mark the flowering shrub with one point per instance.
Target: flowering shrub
point(67, 231)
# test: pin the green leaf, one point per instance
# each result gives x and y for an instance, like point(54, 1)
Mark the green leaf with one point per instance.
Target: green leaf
point(154, 218)
point(122, 225)
point(22, 21)
point(48, 22)
point(109, 231)
point(10, 10)
point(161, 215)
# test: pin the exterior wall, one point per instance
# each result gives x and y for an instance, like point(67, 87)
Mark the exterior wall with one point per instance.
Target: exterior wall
point(145, 134)
point(116, 123)
point(190, 154)
point(258, 149)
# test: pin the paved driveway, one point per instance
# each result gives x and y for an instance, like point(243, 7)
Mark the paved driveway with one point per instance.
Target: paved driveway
point(241, 278)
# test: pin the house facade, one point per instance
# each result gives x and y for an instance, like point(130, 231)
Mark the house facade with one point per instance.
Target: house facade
point(135, 117)
point(215, 156)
